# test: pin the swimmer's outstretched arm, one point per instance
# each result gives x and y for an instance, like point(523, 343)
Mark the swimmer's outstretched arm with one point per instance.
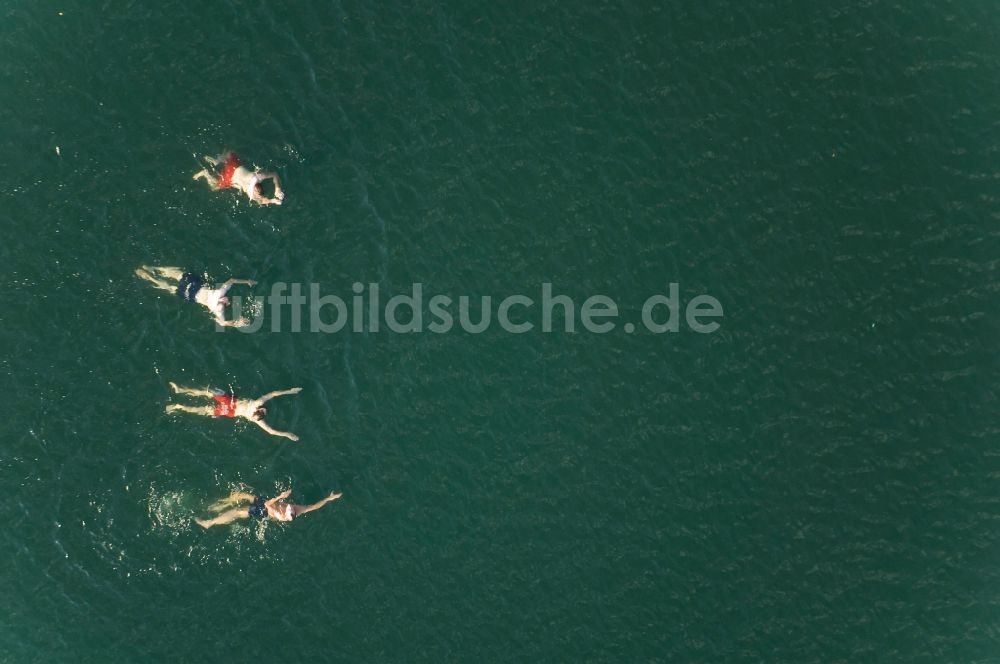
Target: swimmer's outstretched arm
point(277, 393)
point(284, 494)
point(193, 391)
point(302, 509)
point(224, 287)
point(274, 432)
point(232, 282)
point(237, 322)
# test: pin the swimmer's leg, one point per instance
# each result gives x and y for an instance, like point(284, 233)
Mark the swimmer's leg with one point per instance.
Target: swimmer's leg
point(224, 518)
point(215, 161)
point(143, 273)
point(167, 271)
point(302, 509)
point(212, 181)
point(235, 498)
point(193, 391)
point(207, 411)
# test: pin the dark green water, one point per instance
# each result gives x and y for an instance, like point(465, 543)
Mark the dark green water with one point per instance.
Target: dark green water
point(815, 482)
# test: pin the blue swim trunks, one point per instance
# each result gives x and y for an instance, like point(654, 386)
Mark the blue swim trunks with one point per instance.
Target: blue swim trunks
point(258, 510)
point(189, 286)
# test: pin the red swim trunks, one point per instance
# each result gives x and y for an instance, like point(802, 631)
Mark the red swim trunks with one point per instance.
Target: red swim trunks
point(228, 168)
point(225, 405)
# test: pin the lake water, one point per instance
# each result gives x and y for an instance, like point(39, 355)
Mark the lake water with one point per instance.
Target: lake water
point(812, 482)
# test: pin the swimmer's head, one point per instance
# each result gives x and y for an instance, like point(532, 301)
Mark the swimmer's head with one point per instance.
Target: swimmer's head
point(259, 413)
point(224, 301)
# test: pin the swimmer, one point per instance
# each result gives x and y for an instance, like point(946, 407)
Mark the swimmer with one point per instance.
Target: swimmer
point(234, 175)
point(191, 287)
point(227, 405)
point(276, 508)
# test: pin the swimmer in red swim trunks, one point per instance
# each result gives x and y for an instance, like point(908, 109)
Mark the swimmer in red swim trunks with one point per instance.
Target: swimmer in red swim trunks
point(227, 405)
point(276, 508)
point(234, 174)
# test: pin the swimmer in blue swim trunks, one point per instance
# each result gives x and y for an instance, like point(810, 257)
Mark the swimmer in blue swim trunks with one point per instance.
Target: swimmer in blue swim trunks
point(276, 508)
point(191, 288)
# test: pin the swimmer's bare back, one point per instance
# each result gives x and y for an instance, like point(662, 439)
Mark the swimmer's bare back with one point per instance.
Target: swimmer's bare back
point(233, 175)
